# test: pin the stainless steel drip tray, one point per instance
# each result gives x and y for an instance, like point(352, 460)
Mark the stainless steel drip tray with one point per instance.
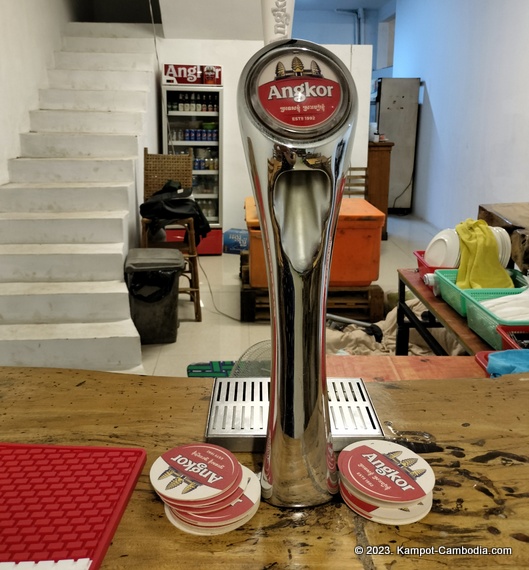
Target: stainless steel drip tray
point(238, 413)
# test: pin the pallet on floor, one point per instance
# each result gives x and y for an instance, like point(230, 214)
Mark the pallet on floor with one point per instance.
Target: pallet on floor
point(360, 303)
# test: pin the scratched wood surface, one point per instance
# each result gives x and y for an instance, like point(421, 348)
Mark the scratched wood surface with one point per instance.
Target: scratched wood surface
point(474, 433)
point(390, 368)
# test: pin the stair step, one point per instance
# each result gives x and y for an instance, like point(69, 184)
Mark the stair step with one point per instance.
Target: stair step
point(63, 299)
point(112, 30)
point(63, 227)
point(92, 100)
point(65, 197)
point(89, 79)
point(112, 45)
point(87, 121)
point(104, 61)
point(90, 346)
point(38, 303)
point(71, 169)
point(61, 262)
point(77, 145)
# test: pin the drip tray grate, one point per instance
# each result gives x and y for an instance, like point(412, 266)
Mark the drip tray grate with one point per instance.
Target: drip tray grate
point(238, 413)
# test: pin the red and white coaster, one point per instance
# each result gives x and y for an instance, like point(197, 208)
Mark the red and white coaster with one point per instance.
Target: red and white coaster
point(388, 515)
point(230, 514)
point(196, 473)
point(385, 481)
point(215, 504)
point(205, 489)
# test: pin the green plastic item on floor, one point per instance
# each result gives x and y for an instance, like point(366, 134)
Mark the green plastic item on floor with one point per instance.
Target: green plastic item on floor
point(213, 369)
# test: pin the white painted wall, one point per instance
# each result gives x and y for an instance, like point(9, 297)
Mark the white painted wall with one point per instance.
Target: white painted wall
point(29, 33)
point(320, 25)
point(325, 26)
point(212, 19)
point(473, 145)
point(233, 56)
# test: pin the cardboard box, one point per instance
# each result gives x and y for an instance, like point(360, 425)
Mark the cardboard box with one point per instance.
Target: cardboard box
point(356, 251)
point(235, 241)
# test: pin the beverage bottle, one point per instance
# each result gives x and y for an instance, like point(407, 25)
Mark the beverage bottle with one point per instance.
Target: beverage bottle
point(192, 104)
point(186, 103)
point(199, 102)
point(180, 102)
point(210, 103)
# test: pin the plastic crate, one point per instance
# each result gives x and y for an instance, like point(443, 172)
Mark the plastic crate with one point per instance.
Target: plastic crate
point(455, 297)
point(482, 358)
point(505, 331)
point(424, 268)
point(482, 321)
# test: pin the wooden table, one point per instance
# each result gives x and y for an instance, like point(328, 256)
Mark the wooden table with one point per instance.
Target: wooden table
point(510, 216)
point(440, 314)
point(395, 368)
point(513, 217)
point(473, 432)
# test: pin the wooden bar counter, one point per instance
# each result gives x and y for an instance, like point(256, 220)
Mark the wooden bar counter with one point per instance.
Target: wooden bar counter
point(474, 432)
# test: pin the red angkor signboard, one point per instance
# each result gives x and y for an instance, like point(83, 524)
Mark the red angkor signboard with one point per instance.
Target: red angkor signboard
point(182, 74)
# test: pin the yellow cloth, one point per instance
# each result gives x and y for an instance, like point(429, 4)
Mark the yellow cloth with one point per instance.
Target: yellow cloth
point(480, 267)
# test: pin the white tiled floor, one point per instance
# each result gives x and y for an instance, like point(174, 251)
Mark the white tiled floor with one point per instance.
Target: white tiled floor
point(221, 335)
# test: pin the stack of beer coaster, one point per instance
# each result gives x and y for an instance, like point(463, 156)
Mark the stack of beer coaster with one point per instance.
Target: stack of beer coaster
point(205, 489)
point(385, 482)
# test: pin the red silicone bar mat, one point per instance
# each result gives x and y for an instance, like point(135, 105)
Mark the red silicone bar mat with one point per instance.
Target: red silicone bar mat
point(62, 502)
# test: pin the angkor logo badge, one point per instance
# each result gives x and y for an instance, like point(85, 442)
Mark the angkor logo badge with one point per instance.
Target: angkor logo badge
point(300, 96)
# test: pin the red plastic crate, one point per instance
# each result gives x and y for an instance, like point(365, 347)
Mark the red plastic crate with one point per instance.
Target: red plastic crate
point(507, 343)
point(482, 358)
point(209, 245)
point(424, 268)
point(63, 502)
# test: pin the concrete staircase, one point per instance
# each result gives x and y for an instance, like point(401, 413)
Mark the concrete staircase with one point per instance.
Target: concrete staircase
point(69, 212)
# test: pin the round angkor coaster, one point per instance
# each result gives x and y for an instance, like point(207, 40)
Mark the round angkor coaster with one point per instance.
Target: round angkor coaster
point(236, 511)
point(196, 473)
point(219, 502)
point(388, 515)
point(384, 473)
point(202, 530)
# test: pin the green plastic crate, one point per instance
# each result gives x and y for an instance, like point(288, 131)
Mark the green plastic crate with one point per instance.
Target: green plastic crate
point(455, 297)
point(482, 321)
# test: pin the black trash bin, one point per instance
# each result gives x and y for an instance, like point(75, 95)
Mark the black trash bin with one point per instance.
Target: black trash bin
point(152, 277)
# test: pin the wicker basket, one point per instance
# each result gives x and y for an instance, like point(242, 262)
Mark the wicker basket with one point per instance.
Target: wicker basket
point(159, 168)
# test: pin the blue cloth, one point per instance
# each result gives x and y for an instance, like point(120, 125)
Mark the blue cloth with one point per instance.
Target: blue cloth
point(508, 362)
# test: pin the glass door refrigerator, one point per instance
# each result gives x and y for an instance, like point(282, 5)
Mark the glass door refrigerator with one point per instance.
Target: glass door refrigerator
point(192, 124)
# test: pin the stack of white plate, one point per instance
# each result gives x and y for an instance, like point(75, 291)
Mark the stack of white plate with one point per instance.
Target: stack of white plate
point(444, 249)
point(504, 245)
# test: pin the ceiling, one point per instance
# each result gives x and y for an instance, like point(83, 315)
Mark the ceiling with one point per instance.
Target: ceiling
point(339, 4)
point(209, 18)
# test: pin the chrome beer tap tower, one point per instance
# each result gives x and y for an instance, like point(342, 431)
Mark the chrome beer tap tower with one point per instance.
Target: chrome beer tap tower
point(297, 109)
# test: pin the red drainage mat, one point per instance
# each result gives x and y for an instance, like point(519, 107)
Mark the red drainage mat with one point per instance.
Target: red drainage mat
point(61, 503)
